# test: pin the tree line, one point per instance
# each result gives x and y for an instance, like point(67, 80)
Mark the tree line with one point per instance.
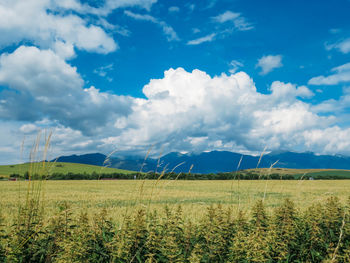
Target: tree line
point(239, 175)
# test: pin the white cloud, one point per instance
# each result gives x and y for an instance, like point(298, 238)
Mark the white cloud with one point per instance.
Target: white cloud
point(191, 7)
point(341, 75)
point(201, 40)
point(64, 50)
point(29, 128)
point(174, 9)
point(237, 19)
point(123, 31)
point(196, 30)
point(193, 112)
point(114, 4)
point(42, 23)
point(183, 111)
point(333, 106)
point(328, 141)
point(41, 85)
point(105, 7)
point(211, 4)
point(102, 71)
point(167, 30)
point(342, 46)
point(284, 90)
point(226, 16)
point(10, 143)
point(269, 63)
point(234, 66)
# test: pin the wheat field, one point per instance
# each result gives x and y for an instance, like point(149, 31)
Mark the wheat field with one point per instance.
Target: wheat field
point(194, 196)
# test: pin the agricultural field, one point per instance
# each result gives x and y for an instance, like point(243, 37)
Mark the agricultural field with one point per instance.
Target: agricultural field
point(175, 221)
point(57, 167)
point(194, 196)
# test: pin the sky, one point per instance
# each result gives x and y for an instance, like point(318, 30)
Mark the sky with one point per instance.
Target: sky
point(186, 76)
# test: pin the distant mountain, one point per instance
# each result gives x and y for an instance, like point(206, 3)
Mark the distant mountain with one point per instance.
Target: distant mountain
point(310, 160)
point(215, 161)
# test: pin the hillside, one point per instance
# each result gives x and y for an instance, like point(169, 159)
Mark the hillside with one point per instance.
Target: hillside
point(58, 167)
point(301, 173)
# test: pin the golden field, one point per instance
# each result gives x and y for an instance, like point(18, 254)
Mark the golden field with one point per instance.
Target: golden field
point(122, 195)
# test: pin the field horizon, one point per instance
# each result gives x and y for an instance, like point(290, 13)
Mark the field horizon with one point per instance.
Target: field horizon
point(77, 168)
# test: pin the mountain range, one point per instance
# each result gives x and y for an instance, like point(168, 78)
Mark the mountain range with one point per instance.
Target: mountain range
point(213, 162)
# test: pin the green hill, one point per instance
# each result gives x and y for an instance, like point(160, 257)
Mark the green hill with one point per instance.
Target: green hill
point(58, 167)
point(302, 173)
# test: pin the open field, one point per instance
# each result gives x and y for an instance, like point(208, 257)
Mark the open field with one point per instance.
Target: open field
point(57, 167)
point(194, 196)
point(127, 221)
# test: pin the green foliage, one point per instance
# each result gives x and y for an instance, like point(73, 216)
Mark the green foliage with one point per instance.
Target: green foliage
point(25, 237)
point(321, 233)
point(285, 232)
point(129, 242)
point(3, 237)
point(172, 232)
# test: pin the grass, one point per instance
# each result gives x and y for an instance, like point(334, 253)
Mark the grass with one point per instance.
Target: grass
point(60, 167)
point(288, 171)
point(192, 195)
point(321, 173)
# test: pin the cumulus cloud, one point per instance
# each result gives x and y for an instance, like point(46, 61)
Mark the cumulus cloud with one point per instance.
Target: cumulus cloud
point(283, 90)
point(40, 84)
point(237, 19)
point(42, 23)
point(64, 50)
point(330, 140)
point(183, 111)
point(167, 30)
point(191, 111)
point(269, 63)
point(341, 74)
point(197, 41)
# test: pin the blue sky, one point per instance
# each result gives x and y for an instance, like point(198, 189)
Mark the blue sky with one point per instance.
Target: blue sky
point(185, 76)
point(297, 30)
